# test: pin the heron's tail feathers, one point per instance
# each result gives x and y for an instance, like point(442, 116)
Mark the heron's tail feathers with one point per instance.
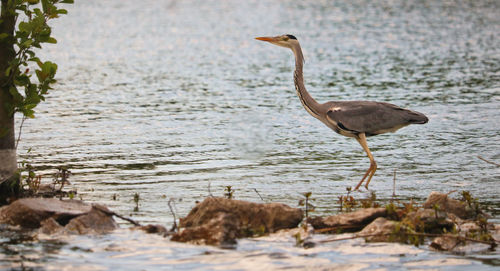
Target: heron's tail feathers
point(415, 117)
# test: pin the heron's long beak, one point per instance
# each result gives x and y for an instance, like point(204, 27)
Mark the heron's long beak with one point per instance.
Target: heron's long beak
point(269, 39)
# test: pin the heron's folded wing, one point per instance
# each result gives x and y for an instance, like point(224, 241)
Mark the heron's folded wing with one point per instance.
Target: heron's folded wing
point(367, 117)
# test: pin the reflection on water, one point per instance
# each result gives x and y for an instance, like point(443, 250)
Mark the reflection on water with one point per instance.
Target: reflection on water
point(176, 100)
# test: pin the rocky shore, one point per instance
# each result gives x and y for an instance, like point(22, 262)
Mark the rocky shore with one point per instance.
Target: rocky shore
point(442, 222)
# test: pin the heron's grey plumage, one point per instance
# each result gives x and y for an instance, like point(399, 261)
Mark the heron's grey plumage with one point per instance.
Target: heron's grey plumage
point(371, 118)
point(357, 119)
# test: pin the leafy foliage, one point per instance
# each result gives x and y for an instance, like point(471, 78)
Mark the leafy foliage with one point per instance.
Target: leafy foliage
point(30, 34)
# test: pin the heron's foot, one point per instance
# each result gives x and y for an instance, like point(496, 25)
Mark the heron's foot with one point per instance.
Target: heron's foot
point(369, 173)
point(360, 188)
point(374, 168)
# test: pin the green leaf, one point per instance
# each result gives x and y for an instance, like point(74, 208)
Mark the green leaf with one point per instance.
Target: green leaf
point(31, 54)
point(30, 90)
point(30, 106)
point(7, 71)
point(20, 6)
point(62, 11)
point(27, 43)
point(51, 40)
point(67, 1)
point(49, 67)
point(17, 97)
point(34, 59)
point(20, 35)
point(39, 62)
point(25, 27)
point(38, 12)
point(28, 113)
point(22, 80)
point(40, 75)
point(45, 6)
point(3, 36)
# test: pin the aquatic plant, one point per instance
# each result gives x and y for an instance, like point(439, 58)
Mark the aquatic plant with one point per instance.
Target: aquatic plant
point(61, 177)
point(136, 200)
point(32, 183)
point(308, 206)
point(370, 202)
point(228, 192)
point(347, 202)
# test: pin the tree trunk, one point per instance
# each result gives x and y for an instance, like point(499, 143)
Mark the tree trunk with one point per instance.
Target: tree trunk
point(9, 179)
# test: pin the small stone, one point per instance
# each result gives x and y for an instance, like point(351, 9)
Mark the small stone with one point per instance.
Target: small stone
point(496, 232)
point(445, 243)
point(380, 230)
point(448, 205)
point(431, 220)
point(96, 221)
point(156, 229)
point(50, 226)
point(468, 227)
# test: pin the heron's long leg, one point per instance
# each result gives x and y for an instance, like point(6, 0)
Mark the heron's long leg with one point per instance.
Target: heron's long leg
point(361, 138)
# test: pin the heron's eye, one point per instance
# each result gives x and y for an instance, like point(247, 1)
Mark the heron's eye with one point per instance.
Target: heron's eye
point(285, 38)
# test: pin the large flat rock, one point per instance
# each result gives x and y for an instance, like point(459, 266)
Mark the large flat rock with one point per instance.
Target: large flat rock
point(30, 212)
point(58, 216)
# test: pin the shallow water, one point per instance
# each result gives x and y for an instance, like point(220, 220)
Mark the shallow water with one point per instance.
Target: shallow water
point(176, 100)
point(134, 250)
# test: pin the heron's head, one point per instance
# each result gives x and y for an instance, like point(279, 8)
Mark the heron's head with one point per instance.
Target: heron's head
point(288, 41)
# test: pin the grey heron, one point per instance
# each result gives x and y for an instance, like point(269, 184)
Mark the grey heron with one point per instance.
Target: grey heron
point(356, 119)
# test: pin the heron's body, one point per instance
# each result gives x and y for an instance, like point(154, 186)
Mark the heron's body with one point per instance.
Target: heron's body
point(350, 118)
point(357, 119)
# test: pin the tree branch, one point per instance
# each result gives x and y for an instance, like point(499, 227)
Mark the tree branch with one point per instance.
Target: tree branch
point(20, 129)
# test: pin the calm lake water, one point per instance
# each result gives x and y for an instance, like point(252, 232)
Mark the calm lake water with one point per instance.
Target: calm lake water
point(176, 100)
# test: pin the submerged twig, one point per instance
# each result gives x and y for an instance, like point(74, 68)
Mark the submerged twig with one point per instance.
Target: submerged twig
point(255, 189)
point(108, 212)
point(331, 229)
point(210, 192)
point(394, 184)
point(492, 243)
point(488, 161)
point(174, 227)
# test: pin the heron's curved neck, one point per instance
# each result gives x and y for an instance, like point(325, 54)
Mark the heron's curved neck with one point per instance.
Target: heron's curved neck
point(309, 103)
